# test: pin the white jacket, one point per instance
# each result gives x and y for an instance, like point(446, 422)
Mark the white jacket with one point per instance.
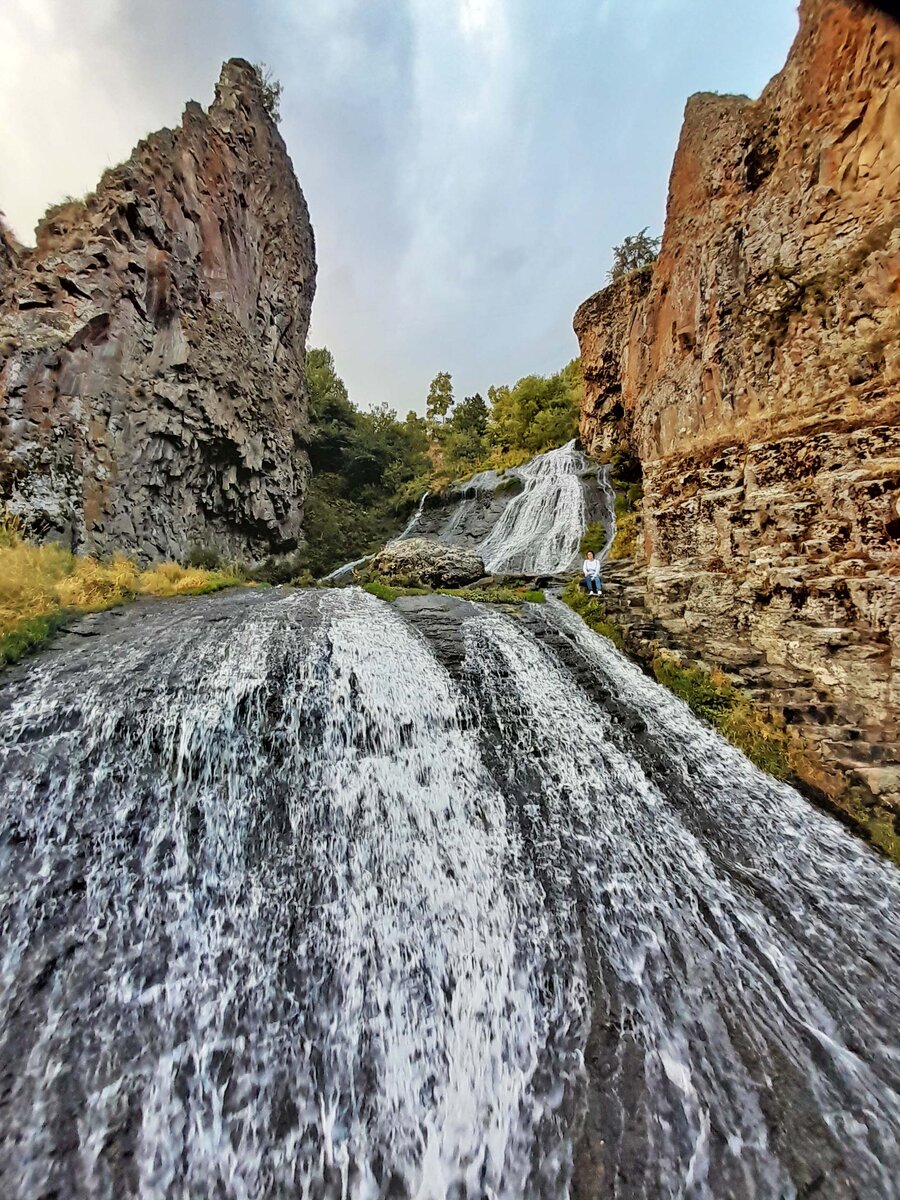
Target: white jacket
point(590, 566)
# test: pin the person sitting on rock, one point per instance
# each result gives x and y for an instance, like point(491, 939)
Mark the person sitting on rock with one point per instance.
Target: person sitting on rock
point(591, 570)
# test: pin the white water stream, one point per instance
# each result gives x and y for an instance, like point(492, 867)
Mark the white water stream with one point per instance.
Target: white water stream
point(301, 896)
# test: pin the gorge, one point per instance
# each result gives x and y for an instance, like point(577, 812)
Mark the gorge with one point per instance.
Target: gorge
point(754, 371)
point(307, 893)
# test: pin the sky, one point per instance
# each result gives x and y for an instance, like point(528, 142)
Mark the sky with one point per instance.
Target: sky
point(468, 164)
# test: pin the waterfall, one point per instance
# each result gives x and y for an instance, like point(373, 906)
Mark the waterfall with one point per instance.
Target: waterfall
point(301, 900)
point(539, 530)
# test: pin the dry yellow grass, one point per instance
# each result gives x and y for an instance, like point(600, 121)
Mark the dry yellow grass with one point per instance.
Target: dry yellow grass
point(39, 585)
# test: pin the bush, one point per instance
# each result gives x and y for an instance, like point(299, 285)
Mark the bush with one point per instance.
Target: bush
point(271, 90)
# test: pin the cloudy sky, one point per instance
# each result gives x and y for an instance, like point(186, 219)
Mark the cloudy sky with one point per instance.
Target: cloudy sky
point(468, 163)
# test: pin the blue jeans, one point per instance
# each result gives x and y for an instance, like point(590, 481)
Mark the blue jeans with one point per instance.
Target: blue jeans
point(592, 582)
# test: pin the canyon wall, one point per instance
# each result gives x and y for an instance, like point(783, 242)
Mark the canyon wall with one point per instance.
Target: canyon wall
point(755, 371)
point(152, 346)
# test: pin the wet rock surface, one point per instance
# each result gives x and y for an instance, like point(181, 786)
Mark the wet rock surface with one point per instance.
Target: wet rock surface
point(428, 563)
point(452, 867)
point(755, 371)
point(152, 345)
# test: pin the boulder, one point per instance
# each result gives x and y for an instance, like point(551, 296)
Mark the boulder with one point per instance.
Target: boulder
point(425, 563)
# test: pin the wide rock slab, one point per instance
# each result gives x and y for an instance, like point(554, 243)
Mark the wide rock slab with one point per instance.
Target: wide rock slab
point(426, 563)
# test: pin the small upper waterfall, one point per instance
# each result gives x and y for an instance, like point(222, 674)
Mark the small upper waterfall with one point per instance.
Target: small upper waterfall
point(539, 530)
point(527, 520)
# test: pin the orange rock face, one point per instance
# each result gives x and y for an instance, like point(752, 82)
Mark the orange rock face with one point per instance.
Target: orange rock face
point(152, 346)
point(755, 370)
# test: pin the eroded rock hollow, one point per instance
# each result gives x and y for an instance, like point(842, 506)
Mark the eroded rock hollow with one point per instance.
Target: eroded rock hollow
point(754, 370)
point(152, 392)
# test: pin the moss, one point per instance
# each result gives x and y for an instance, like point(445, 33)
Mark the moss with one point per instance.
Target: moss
point(715, 699)
point(624, 544)
point(489, 595)
point(591, 610)
point(511, 486)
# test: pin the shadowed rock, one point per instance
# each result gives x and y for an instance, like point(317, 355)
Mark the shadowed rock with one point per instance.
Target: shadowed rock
point(152, 390)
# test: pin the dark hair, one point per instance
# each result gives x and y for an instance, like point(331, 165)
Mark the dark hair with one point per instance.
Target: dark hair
point(590, 554)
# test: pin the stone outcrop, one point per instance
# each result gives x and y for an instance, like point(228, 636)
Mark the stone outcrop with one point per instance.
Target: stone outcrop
point(152, 385)
point(755, 371)
point(427, 563)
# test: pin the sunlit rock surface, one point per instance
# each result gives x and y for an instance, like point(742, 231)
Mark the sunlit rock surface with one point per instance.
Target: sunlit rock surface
point(755, 370)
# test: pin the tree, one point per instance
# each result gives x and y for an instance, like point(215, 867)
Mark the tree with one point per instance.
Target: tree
point(471, 415)
point(440, 399)
point(635, 252)
point(270, 89)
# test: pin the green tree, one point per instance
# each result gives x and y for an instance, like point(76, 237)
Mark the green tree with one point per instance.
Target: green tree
point(271, 89)
point(635, 252)
point(440, 399)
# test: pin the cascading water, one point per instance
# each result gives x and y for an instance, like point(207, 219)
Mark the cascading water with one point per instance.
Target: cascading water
point(305, 895)
point(539, 530)
point(291, 908)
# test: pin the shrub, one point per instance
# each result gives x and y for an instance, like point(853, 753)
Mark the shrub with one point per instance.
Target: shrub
point(624, 544)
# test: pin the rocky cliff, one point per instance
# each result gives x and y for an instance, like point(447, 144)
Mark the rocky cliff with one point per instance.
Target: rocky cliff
point(755, 371)
point(152, 393)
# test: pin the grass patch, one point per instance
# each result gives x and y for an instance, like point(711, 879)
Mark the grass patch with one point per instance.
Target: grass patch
point(714, 698)
point(489, 595)
point(594, 538)
point(40, 586)
point(590, 609)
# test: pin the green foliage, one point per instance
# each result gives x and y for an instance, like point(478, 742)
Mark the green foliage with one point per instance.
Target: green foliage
point(624, 544)
point(368, 468)
point(637, 251)
point(626, 477)
point(594, 538)
point(440, 400)
point(28, 636)
point(715, 699)
point(271, 89)
point(591, 610)
point(488, 595)
point(537, 413)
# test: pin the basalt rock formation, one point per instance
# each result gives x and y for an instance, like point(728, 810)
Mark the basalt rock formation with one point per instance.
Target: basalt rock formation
point(152, 393)
point(427, 563)
point(755, 371)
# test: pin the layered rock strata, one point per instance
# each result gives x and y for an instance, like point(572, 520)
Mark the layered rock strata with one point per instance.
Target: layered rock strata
point(755, 371)
point(152, 345)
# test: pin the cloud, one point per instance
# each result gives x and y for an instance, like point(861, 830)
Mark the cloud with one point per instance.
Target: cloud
point(468, 164)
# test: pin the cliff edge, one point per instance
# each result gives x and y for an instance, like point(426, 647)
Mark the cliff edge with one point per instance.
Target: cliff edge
point(152, 346)
point(755, 371)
